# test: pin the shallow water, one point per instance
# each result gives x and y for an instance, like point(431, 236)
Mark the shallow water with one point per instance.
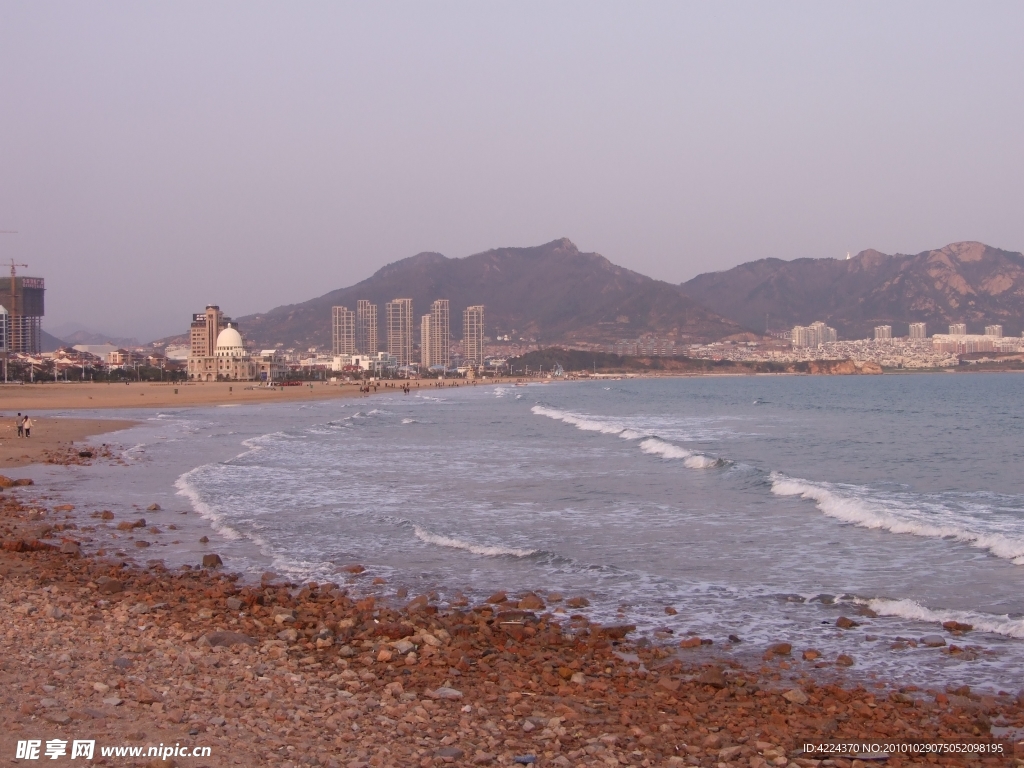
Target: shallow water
point(758, 506)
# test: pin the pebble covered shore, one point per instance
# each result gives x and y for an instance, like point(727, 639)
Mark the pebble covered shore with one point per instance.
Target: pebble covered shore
point(284, 674)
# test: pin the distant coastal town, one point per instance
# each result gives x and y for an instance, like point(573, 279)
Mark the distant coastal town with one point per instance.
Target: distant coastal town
point(362, 347)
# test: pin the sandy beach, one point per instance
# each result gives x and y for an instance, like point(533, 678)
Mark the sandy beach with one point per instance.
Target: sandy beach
point(356, 673)
point(65, 396)
point(54, 440)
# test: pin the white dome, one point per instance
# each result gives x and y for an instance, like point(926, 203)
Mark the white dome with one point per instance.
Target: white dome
point(229, 343)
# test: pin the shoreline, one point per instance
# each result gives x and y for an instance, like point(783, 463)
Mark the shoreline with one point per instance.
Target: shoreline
point(56, 440)
point(58, 396)
point(283, 674)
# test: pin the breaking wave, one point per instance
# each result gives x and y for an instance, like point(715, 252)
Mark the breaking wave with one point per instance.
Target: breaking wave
point(656, 447)
point(650, 445)
point(476, 549)
point(205, 510)
point(857, 506)
point(586, 423)
point(984, 622)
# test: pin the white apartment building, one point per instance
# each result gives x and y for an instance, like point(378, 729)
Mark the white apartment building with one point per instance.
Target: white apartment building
point(398, 316)
point(813, 335)
point(343, 331)
point(366, 327)
point(883, 333)
point(918, 331)
point(473, 334)
point(435, 336)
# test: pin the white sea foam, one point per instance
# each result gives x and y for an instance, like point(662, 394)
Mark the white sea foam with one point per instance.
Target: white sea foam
point(205, 510)
point(128, 453)
point(409, 421)
point(983, 622)
point(476, 549)
point(650, 445)
point(587, 423)
point(656, 447)
point(856, 505)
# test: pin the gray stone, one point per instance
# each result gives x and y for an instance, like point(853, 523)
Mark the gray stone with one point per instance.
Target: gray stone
point(444, 693)
point(70, 548)
point(449, 752)
point(230, 638)
point(933, 641)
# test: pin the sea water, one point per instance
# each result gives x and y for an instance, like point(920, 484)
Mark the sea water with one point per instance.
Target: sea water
point(760, 507)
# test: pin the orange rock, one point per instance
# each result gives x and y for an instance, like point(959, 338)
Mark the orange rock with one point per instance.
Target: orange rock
point(531, 602)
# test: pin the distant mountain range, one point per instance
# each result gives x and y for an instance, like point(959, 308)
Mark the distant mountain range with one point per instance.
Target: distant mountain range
point(552, 293)
point(966, 282)
point(71, 333)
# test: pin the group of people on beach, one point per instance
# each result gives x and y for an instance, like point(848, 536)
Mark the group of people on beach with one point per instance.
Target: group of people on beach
point(24, 425)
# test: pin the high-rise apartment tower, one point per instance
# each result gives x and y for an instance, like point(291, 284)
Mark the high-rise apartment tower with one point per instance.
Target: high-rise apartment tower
point(436, 336)
point(425, 352)
point(918, 331)
point(473, 334)
point(398, 316)
point(343, 331)
point(366, 327)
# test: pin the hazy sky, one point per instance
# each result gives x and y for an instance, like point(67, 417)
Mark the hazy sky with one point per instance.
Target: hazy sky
point(156, 157)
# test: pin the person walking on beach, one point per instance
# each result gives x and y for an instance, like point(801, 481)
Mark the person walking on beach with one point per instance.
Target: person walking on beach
point(20, 422)
point(28, 426)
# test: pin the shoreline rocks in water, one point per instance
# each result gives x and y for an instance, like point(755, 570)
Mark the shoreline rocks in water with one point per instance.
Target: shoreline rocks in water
point(294, 675)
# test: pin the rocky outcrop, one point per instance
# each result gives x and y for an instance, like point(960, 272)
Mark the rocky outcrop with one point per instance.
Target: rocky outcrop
point(842, 367)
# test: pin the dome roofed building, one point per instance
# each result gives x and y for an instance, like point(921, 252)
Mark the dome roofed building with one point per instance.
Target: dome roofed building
point(228, 359)
point(229, 343)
